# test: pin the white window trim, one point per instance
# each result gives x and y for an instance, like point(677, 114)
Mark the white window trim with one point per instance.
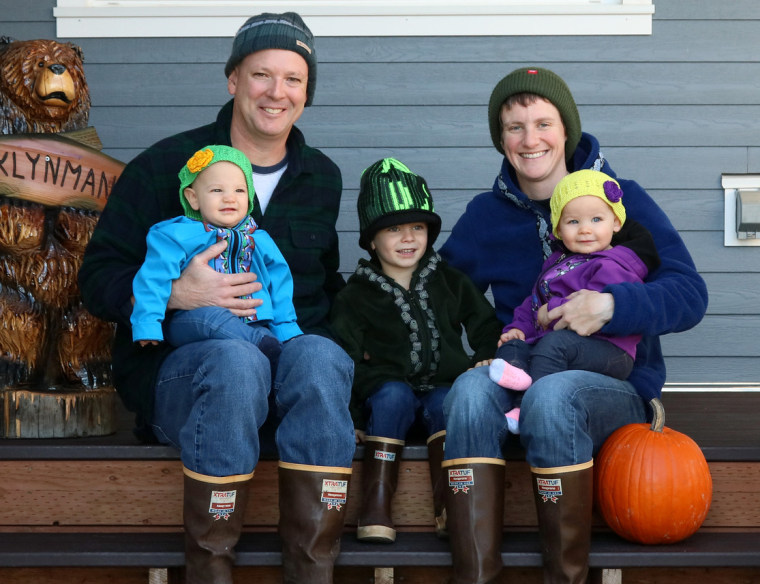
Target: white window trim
point(220, 18)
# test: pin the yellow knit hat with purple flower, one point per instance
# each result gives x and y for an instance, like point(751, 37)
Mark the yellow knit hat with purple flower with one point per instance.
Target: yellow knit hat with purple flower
point(586, 182)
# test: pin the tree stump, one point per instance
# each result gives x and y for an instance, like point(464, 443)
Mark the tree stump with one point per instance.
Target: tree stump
point(57, 414)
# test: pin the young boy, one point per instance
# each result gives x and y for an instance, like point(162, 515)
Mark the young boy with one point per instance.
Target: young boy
point(216, 192)
point(400, 318)
point(586, 212)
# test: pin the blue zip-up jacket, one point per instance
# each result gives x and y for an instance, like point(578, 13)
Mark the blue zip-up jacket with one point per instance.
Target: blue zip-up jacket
point(496, 243)
point(171, 246)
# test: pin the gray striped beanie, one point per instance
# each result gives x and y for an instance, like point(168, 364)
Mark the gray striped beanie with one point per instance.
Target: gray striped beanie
point(276, 31)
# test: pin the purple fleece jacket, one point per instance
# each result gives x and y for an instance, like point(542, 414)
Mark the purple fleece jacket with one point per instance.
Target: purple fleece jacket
point(564, 273)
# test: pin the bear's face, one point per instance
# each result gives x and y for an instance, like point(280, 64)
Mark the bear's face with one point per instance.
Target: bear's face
point(42, 87)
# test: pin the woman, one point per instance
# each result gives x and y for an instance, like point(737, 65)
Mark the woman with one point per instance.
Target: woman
point(501, 241)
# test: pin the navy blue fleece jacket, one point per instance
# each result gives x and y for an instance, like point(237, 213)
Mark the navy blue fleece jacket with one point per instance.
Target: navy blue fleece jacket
point(496, 243)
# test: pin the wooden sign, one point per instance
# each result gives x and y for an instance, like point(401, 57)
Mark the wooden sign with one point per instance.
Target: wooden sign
point(56, 171)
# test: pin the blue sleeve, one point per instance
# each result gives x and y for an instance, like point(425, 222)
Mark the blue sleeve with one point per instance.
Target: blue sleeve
point(284, 324)
point(673, 298)
point(152, 285)
point(462, 250)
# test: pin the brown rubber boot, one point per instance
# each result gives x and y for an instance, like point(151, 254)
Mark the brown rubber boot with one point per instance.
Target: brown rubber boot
point(312, 512)
point(564, 498)
point(382, 457)
point(475, 512)
point(213, 512)
point(435, 444)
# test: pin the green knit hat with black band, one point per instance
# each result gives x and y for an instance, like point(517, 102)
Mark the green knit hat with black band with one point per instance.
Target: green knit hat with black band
point(541, 82)
point(276, 31)
point(204, 158)
point(391, 194)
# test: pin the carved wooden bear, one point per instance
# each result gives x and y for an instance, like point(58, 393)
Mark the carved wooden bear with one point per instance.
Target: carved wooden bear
point(51, 191)
point(42, 87)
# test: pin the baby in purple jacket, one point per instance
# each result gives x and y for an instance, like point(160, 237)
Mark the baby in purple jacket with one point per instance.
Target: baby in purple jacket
point(586, 213)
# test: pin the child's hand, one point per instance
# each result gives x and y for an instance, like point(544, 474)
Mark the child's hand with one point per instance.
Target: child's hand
point(146, 343)
point(483, 363)
point(359, 436)
point(513, 333)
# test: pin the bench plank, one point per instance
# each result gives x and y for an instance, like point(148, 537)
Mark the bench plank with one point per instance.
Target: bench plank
point(148, 495)
point(721, 418)
point(519, 549)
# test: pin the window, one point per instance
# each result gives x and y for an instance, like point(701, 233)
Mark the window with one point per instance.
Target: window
point(220, 18)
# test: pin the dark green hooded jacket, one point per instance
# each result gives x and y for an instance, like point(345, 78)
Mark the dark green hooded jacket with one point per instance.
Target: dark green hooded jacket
point(415, 335)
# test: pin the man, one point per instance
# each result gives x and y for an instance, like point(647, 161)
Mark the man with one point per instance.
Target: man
point(210, 398)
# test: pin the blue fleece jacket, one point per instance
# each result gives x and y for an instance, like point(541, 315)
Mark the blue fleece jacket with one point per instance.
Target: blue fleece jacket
point(171, 246)
point(496, 243)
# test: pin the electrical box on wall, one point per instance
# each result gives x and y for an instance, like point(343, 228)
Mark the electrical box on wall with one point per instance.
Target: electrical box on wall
point(748, 213)
point(742, 209)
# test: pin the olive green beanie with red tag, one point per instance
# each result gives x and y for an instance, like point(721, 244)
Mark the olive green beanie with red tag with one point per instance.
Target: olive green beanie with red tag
point(541, 82)
point(285, 31)
point(391, 194)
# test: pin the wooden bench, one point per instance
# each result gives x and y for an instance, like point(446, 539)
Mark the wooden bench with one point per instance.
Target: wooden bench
point(110, 507)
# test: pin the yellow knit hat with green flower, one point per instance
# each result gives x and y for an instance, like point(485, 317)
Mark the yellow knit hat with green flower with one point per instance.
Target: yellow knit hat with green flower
point(586, 182)
point(204, 158)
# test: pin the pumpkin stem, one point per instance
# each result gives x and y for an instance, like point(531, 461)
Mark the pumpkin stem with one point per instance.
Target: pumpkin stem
point(658, 422)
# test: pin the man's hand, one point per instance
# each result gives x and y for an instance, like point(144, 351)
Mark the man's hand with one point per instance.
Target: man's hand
point(200, 285)
point(585, 312)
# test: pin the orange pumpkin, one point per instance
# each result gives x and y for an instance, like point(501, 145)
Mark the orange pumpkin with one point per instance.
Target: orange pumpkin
point(652, 484)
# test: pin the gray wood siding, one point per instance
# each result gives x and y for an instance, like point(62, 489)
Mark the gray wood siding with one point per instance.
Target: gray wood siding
point(673, 110)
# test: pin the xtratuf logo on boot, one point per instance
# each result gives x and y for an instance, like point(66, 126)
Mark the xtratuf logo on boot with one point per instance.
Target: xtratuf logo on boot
point(549, 489)
point(334, 493)
point(222, 504)
point(461, 479)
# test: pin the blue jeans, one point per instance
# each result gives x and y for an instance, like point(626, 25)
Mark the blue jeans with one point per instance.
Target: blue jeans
point(212, 397)
point(395, 406)
point(564, 418)
point(211, 322)
point(561, 350)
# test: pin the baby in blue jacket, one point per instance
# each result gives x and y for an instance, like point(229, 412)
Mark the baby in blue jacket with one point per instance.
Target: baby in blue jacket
point(216, 192)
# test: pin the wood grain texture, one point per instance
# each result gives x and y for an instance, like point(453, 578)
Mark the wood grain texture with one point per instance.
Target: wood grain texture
point(148, 495)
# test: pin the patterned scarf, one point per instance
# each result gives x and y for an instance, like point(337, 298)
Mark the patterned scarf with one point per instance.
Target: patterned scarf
point(236, 257)
point(543, 228)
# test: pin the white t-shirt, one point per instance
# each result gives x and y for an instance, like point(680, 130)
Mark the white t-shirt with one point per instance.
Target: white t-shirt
point(265, 179)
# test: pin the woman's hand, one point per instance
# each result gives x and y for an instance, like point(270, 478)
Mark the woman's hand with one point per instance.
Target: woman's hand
point(359, 436)
point(201, 285)
point(585, 312)
point(543, 316)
